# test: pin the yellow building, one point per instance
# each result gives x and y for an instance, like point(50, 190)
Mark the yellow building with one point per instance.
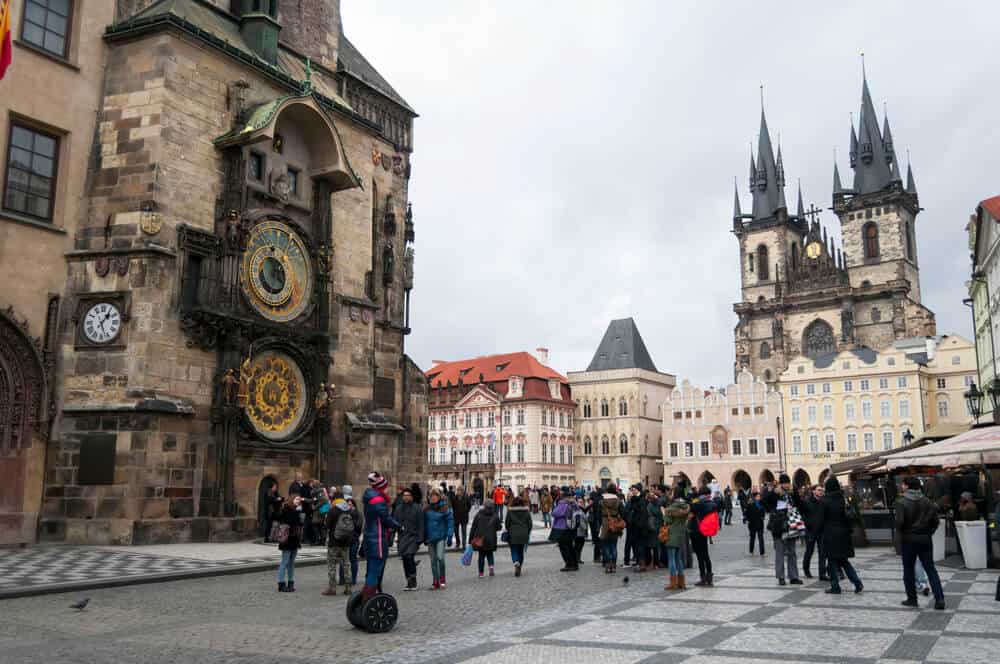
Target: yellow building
point(854, 403)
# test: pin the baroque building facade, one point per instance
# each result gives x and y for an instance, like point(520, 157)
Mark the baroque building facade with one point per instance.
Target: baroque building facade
point(239, 273)
point(499, 418)
point(619, 402)
point(860, 402)
point(801, 294)
point(731, 435)
point(984, 293)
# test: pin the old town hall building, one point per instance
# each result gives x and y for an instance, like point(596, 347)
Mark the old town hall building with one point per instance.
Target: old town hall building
point(801, 295)
point(212, 272)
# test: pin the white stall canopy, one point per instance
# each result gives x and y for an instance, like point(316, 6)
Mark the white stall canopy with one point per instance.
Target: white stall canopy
point(972, 448)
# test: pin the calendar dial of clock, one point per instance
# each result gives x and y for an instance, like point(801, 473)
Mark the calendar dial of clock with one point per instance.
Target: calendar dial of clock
point(276, 272)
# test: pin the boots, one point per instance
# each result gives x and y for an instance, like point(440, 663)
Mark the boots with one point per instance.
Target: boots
point(330, 591)
point(681, 585)
point(673, 583)
point(702, 581)
point(411, 583)
point(348, 590)
point(281, 586)
point(291, 587)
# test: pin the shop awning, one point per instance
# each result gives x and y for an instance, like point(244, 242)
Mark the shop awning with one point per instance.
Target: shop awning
point(974, 447)
point(874, 463)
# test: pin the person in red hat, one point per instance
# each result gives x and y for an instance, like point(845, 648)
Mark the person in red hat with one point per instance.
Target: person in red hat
point(378, 523)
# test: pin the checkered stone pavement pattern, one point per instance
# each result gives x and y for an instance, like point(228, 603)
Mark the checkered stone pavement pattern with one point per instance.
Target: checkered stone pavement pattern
point(746, 618)
point(43, 566)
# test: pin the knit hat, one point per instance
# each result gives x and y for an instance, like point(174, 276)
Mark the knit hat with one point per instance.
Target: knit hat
point(348, 491)
point(784, 479)
point(377, 481)
point(831, 485)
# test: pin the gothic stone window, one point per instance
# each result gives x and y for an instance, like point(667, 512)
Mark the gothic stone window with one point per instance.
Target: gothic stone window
point(763, 269)
point(623, 444)
point(765, 350)
point(870, 234)
point(818, 339)
point(605, 445)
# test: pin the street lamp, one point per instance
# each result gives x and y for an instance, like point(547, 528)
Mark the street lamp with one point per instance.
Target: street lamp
point(974, 399)
point(908, 437)
point(994, 391)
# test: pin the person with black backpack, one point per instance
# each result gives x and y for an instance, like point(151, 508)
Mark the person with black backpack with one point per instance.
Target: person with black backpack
point(342, 530)
point(916, 520)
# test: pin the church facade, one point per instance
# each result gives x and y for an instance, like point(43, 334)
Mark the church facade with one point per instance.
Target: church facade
point(801, 294)
point(239, 276)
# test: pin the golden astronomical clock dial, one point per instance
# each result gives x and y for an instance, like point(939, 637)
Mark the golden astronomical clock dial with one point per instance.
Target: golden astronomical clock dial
point(276, 395)
point(814, 249)
point(276, 272)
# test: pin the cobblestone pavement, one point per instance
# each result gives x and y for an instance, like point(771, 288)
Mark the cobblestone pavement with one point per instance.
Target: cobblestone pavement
point(545, 615)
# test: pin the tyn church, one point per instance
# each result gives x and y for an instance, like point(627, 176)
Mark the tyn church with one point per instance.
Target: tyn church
point(803, 295)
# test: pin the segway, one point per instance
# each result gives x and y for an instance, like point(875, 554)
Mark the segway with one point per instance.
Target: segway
point(378, 614)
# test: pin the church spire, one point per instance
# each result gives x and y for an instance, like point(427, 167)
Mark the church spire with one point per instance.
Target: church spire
point(871, 171)
point(766, 197)
point(780, 179)
point(887, 137)
point(838, 188)
point(753, 172)
point(854, 144)
point(737, 213)
point(911, 186)
point(800, 211)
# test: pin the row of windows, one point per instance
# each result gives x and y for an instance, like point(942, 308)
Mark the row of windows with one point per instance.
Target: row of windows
point(864, 384)
point(735, 411)
point(509, 454)
point(735, 447)
point(850, 411)
point(442, 422)
point(605, 409)
point(830, 442)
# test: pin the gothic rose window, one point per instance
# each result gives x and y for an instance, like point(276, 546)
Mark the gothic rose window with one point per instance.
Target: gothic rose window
point(818, 339)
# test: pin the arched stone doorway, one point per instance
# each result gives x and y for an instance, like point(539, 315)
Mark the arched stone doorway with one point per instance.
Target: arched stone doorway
point(682, 480)
point(766, 477)
point(741, 480)
point(800, 479)
point(604, 475)
point(705, 479)
point(22, 418)
point(263, 504)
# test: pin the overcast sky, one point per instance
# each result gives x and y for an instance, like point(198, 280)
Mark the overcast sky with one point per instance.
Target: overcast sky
point(574, 160)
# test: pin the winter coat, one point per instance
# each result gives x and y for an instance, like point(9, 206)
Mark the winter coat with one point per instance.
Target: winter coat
point(755, 515)
point(562, 515)
point(439, 522)
point(835, 524)
point(916, 518)
point(411, 518)
point(654, 519)
point(700, 509)
point(485, 525)
point(378, 522)
point(545, 502)
point(291, 517)
point(519, 523)
point(635, 515)
point(676, 516)
point(581, 525)
point(811, 508)
point(460, 508)
point(611, 507)
point(499, 496)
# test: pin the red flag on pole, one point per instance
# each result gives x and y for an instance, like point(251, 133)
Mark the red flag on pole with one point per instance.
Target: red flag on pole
point(6, 47)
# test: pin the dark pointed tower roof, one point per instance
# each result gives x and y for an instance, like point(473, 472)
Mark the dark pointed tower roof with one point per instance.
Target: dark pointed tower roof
point(911, 186)
point(768, 196)
point(737, 213)
point(887, 139)
point(871, 169)
point(622, 348)
point(800, 209)
point(838, 188)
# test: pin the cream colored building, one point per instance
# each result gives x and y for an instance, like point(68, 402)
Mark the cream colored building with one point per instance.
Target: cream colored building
point(731, 435)
point(619, 407)
point(472, 441)
point(854, 403)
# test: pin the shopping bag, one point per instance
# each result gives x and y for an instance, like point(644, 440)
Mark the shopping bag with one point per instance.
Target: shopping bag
point(467, 556)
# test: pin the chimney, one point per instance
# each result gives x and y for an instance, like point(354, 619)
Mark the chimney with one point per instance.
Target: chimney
point(542, 354)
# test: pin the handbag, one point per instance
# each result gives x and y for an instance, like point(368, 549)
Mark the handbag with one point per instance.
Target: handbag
point(505, 536)
point(664, 534)
point(796, 525)
point(476, 542)
point(280, 532)
point(616, 525)
point(467, 556)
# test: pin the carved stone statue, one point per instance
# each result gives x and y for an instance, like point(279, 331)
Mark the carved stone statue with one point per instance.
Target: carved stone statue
point(322, 400)
point(388, 264)
point(281, 187)
point(847, 326)
point(408, 269)
point(229, 386)
point(243, 396)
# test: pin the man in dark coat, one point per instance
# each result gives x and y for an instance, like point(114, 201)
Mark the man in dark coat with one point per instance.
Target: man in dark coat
point(410, 516)
point(811, 508)
point(595, 523)
point(835, 526)
point(916, 520)
point(635, 526)
point(753, 516)
point(461, 505)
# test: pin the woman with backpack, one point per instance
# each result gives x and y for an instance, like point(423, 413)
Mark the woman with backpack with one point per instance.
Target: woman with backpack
point(704, 513)
point(483, 536)
point(518, 524)
point(439, 527)
point(675, 518)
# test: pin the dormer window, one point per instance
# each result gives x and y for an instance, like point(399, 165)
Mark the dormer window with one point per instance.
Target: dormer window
point(554, 389)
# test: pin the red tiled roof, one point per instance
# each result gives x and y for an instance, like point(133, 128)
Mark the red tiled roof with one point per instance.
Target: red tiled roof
point(992, 206)
point(492, 367)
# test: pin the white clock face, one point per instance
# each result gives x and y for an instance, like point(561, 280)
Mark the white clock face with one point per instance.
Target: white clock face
point(102, 323)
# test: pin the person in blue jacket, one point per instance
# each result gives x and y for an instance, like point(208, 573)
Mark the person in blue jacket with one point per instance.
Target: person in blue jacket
point(378, 523)
point(439, 527)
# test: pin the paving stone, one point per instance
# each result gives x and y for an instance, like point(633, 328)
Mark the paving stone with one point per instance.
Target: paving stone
point(964, 650)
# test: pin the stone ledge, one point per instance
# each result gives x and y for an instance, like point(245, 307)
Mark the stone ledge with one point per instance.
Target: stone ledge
point(141, 250)
point(159, 403)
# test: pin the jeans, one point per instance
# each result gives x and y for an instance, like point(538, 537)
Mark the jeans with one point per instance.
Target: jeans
point(352, 553)
point(759, 536)
point(609, 551)
point(699, 544)
point(925, 553)
point(287, 566)
point(814, 542)
point(674, 561)
point(833, 567)
point(546, 519)
point(436, 549)
point(785, 556)
point(727, 517)
point(485, 557)
point(517, 552)
point(374, 567)
point(499, 510)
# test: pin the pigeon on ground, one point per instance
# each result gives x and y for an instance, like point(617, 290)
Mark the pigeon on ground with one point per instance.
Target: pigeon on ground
point(625, 580)
point(81, 605)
